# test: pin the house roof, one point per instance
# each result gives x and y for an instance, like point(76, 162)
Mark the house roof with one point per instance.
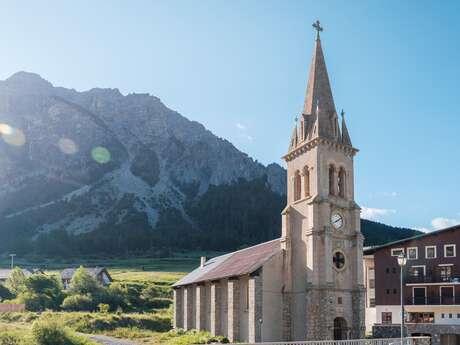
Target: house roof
point(372, 250)
point(238, 263)
point(93, 271)
point(5, 273)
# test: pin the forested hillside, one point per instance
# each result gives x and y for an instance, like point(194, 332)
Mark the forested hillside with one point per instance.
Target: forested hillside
point(225, 218)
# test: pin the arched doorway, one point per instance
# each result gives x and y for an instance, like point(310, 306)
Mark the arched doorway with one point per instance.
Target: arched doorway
point(340, 328)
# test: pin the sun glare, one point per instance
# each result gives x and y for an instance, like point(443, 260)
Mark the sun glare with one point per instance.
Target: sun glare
point(67, 146)
point(100, 154)
point(12, 136)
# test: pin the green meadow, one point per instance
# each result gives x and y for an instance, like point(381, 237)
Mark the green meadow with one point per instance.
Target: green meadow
point(144, 326)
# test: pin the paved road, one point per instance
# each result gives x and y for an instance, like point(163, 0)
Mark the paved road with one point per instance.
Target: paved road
point(102, 339)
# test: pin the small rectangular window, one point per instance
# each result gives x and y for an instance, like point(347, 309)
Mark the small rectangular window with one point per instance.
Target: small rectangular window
point(412, 253)
point(388, 291)
point(430, 252)
point(450, 316)
point(445, 273)
point(442, 316)
point(386, 317)
point(449, 251)
point(339, 300)
point(372, 303)
point(397, 251)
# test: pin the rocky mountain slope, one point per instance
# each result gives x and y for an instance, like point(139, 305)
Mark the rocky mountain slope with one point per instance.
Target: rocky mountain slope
point(100, 172)
point(76, 160)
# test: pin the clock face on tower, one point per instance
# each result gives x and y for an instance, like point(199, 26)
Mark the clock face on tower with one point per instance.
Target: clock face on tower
point(336, 220)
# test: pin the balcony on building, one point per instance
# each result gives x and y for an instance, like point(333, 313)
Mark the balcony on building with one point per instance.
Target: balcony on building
point(433, 300)
point(444, 274)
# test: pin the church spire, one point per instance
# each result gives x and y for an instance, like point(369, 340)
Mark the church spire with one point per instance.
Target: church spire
point(318, 89)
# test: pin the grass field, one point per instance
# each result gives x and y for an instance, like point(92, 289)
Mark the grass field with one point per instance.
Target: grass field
point(161, 272)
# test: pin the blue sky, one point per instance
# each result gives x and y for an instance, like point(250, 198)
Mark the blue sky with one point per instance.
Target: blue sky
point(240, 68)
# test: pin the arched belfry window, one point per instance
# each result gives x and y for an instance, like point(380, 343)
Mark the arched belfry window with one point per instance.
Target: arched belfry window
point(306, 181)
point(331, 180)
point(297, 185)
point(342, 183)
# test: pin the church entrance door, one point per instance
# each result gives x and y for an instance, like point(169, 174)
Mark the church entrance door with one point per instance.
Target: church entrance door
point(340, 328)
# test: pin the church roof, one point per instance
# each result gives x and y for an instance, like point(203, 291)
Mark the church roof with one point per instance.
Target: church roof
point(238, 263)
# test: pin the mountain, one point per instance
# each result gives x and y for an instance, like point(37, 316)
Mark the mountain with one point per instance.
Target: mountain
point(101, 172)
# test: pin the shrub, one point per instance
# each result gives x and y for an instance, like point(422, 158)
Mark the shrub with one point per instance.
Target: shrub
point(52, 332)
point(8, 338)
point(181, 337)
point(103, 308)
point(78, 303)
point(35, 302)
point(49, 333)
point(160, 303)
point(115, 296)
point(5, 293)
point(149, 292)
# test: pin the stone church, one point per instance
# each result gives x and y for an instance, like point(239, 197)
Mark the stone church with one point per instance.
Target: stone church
point(308, 284)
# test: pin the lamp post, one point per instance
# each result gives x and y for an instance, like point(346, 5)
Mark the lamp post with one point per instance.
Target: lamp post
point(402, 260)
point(12, 260)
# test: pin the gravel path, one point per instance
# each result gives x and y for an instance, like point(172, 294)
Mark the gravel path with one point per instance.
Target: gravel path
point(102, 339)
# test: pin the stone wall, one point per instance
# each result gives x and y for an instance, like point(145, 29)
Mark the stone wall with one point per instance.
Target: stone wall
point(412, 329)
point(358, 327)
point(200, 307)
point(178, 309)
point(255, 308)
point(435, 330)
point(215, 309)
point(386, 331)
point(233, 296)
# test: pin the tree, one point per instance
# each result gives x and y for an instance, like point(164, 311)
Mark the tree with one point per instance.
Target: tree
point(42, 292)
point(16, 281)
point(34, 301)
point(83, 283)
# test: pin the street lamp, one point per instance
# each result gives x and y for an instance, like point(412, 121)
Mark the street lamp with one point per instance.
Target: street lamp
point(402, 260)
point(12, 260)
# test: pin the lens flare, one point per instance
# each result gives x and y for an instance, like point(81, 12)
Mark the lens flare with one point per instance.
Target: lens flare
point(67, 146)
point(5, 129)
point(100, 154)
point(13, 136)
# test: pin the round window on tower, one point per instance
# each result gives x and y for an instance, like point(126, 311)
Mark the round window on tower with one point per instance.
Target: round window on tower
point(339, 260)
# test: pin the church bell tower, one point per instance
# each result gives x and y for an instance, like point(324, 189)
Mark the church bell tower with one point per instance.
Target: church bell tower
point(323, 295)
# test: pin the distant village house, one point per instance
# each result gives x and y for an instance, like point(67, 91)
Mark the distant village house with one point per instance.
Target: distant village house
point(99, 273)
point(5, 274)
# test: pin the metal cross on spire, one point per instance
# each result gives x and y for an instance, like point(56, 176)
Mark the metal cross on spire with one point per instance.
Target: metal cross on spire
point(318, 28)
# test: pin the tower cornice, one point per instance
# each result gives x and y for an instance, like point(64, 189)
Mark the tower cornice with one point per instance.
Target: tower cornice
point(308, 145)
